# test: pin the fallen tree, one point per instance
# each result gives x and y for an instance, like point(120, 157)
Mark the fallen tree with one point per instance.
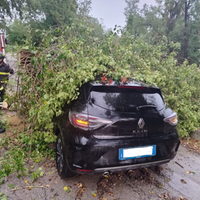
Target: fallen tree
point(66, 59)
point(51, 75)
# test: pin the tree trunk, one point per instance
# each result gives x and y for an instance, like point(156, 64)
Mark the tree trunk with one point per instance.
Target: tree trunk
point(186, 33)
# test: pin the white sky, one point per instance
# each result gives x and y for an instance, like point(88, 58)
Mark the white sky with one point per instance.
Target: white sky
point(112, 11)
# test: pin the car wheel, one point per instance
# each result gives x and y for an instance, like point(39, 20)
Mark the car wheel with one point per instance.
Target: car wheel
point(62, 166)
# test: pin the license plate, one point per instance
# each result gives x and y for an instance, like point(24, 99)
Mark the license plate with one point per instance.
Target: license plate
point(137, 152)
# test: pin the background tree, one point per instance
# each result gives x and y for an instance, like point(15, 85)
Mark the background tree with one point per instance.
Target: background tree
point(8, 8)
point(176, 20)
point(18, 32)
point(84, 8)
point(134, 19)
point(51, 13)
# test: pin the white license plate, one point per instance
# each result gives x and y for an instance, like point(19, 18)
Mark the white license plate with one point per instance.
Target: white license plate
point(137, 152)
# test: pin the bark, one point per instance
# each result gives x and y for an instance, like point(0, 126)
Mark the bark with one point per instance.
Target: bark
point(186, 31)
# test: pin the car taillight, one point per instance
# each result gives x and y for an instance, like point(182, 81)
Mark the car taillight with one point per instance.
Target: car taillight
point(172, 119)
point(87, 122)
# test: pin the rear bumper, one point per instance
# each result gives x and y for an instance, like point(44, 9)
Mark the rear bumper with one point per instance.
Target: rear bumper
point(90, 155)
point(128, 167)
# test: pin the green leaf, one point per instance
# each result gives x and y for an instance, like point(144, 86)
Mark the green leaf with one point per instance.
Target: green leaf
point(11, 185)
point(4, 197)
point(46, 96)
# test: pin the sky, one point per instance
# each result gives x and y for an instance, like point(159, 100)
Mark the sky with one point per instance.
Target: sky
point(112, 11)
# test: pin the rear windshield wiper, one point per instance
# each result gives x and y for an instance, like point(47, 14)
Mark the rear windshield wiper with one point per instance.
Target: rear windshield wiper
point(145, 106)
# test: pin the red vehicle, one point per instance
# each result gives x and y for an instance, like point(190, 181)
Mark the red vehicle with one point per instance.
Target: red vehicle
point(3, 41)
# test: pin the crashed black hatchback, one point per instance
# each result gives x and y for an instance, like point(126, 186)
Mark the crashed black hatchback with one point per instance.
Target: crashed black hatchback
point(115, 127)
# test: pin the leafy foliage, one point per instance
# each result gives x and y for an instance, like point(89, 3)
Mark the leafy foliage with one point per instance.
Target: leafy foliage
point(19, 150)
point(73, 57)
point(18, 32)
point(178, 21)
point(52, 13)
point(179, 83)
point(60, 67)
point(8, 8)
point(38, 173)
point(41, 15)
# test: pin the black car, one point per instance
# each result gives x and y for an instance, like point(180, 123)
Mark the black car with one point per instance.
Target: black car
point(115, 127)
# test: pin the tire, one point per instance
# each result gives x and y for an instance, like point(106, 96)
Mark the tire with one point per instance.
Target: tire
point(62, 166)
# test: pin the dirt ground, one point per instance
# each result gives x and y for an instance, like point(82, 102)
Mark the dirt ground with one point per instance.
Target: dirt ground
point(191, 144)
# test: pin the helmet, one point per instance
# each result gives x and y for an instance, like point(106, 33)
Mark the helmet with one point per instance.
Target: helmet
point(2, 56)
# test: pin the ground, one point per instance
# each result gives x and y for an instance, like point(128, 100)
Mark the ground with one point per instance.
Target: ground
point(176, 180)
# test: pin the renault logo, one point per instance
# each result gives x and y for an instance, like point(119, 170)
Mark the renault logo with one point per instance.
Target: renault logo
point(141, 123)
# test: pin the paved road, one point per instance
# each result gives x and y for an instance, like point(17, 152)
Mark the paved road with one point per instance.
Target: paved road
point(180, 179)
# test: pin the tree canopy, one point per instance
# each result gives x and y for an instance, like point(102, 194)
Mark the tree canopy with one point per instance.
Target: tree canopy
point(177, 21)
point(8, 8)
point(28, 18)
point(51, 13)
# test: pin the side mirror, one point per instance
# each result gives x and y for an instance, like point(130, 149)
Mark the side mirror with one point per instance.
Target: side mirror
point(6, 41)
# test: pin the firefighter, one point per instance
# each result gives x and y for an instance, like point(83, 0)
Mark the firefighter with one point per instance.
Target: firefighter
point(5, 70)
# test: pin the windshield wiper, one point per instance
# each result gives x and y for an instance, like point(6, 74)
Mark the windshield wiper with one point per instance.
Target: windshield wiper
point(145, 106)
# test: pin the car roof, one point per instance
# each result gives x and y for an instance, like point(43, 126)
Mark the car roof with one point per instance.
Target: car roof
point(131, 84)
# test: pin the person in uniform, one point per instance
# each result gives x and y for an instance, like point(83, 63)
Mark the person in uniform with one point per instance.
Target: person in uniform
point(5, 71)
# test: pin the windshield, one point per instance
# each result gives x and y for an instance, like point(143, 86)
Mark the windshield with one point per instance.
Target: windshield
point(126, 101)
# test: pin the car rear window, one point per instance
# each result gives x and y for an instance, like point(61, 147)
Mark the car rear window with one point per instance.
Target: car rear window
point(128, 100)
